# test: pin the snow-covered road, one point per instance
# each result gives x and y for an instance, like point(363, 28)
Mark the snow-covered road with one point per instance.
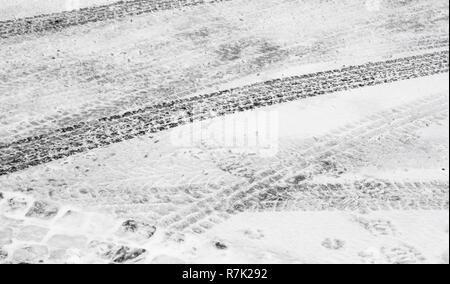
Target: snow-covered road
point(273, 131)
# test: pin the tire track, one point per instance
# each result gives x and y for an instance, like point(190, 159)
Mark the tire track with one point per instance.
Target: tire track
point(129, 97)
point(118, 10)
point(427, 40)
point(141, 83)
point(241, 197)
point(360, 195)
point(86, 136)
point(432, 109)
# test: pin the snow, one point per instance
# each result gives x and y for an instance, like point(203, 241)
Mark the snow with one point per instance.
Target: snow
point(153, 178)
point(297, 237)
point(273, 237)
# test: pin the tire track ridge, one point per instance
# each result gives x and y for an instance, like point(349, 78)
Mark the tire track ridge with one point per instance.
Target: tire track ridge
point(117, 10)
point(240, 197)
point(86, 136)
point(359, 194)
point(132, 99)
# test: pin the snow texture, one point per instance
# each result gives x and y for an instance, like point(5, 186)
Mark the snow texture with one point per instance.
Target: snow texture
point(231, 131)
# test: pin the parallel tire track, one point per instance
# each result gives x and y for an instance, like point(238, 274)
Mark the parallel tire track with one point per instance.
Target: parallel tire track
point(140, 84)
point(422, 112)
point(85, 136)
point(360, 195)
point(373, 195)
point(118, 10)
point(242, 197)
point(141, 94)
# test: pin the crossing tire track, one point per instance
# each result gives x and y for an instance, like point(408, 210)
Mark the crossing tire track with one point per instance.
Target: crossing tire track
point(86, 136)
point(241, 197)
point(138, 94)
point(433, 107)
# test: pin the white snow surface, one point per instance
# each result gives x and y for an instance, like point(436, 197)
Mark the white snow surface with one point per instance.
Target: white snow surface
point(102, 187)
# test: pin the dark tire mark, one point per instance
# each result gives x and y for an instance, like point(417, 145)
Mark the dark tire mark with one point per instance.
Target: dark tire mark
point(85, 136)
point(118, 10)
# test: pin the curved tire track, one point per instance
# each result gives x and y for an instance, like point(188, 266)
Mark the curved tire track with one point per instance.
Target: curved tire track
point(141, 83)
point(86, 136)
point(281, 175)
point(118, 10)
